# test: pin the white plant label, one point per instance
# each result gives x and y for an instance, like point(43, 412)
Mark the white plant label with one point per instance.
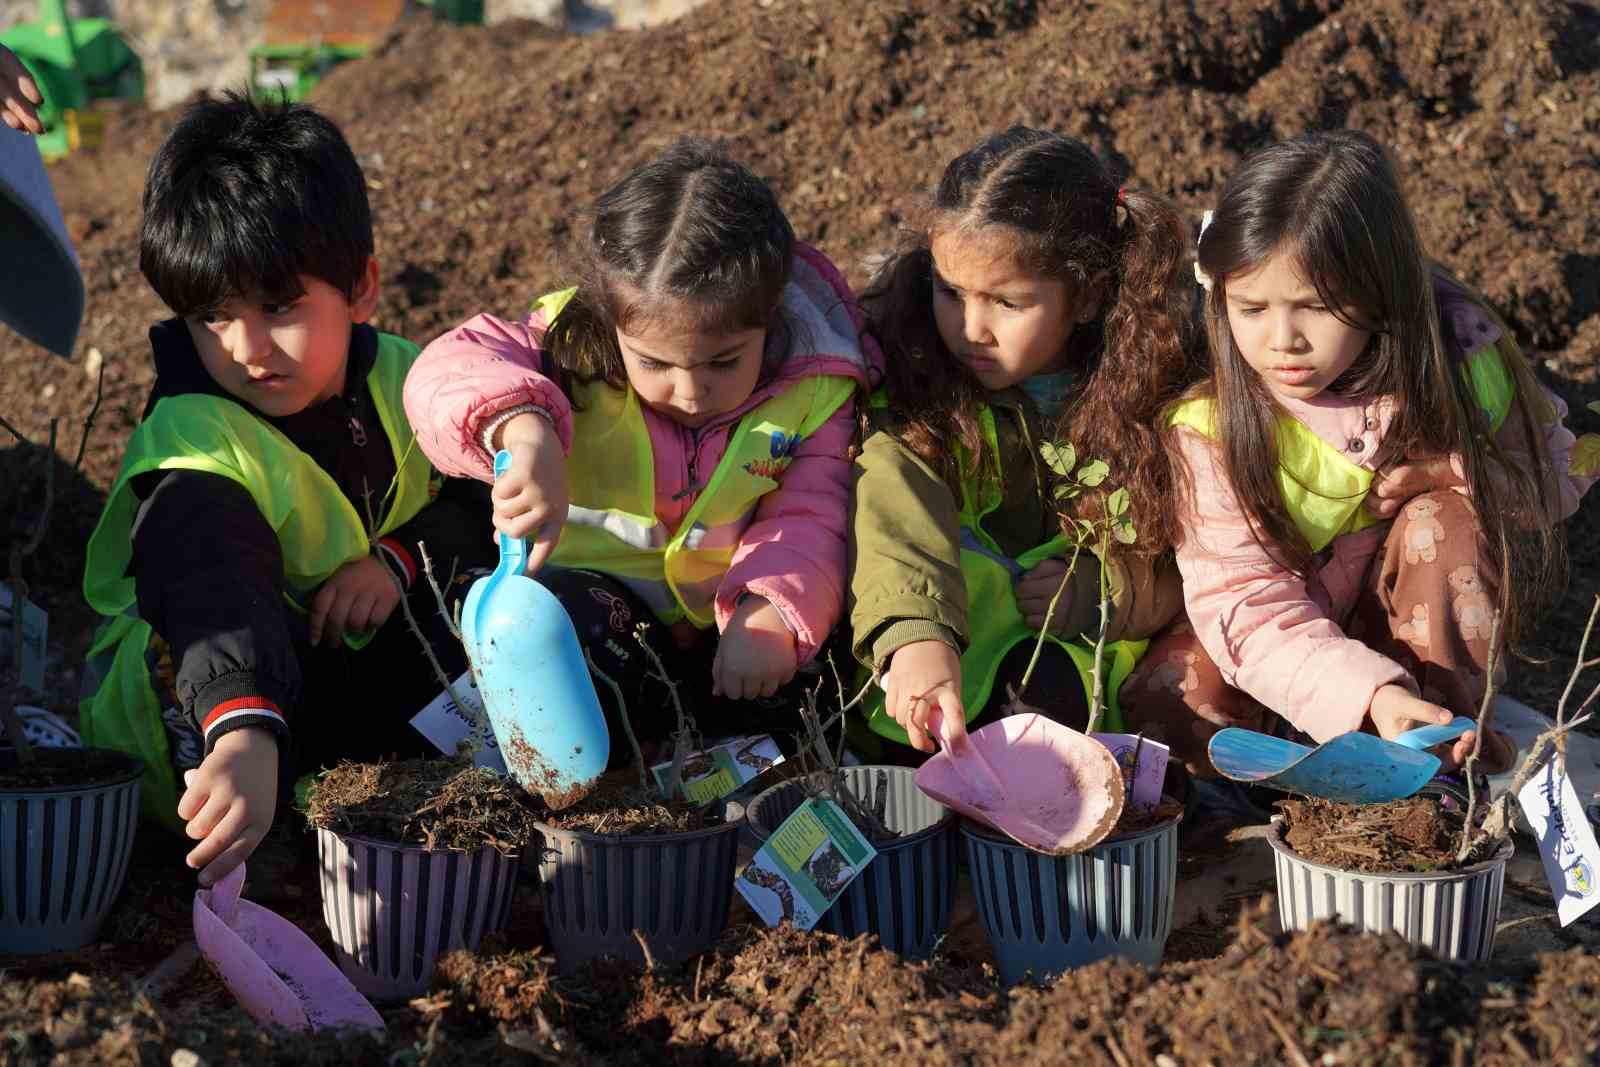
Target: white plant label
point(35, 630)
point(445, 725)
point(805, 865)
point(721, 769)
point(1143, 763)
point(1566, 840)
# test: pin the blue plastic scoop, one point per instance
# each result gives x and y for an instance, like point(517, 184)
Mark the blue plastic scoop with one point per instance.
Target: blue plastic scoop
point(533, 679)
point(1354, 768)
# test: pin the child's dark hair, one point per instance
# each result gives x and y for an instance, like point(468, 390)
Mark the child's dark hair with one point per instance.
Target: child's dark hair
point(1063, 214)
point(690, 237)
point(1332, 201)
point(244, 197)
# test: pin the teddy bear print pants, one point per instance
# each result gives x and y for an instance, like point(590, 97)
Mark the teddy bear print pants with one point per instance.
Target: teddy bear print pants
point(1427, 603)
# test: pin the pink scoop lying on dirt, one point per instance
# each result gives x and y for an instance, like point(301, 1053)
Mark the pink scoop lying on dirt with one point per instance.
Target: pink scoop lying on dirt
point(271, 967)
point(1045, 785)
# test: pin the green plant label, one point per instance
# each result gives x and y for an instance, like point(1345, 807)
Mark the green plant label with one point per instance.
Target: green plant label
point(805, 865)
point(721, 769)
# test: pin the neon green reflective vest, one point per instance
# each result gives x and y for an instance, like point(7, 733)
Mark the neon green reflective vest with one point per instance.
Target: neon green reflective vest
point(994, 621)
point(1324, 490)
point(611, 522)
point(317, 527)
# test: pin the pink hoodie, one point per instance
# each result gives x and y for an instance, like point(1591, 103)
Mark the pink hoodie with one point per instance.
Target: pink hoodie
point(793, 551)
point(1273, 635)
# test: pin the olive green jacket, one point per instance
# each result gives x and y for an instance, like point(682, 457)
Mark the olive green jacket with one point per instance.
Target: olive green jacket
point(905, 544)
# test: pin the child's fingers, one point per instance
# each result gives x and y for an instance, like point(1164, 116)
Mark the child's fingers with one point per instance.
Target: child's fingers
point(338, 618)
point(320, 606)
point(216, 842)
point(952, 722)
point(210, 815)
point(236, 853)
point(544, 545)
point(193, 798)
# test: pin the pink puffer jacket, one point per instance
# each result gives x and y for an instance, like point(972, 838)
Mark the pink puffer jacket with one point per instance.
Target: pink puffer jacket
point(793, 551)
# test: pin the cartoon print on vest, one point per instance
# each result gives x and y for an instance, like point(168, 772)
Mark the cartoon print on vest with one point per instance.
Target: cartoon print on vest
point(782, 447)
point(1473, 611)
point(1415, 631)
point(1423, 531)
point(1176, 674)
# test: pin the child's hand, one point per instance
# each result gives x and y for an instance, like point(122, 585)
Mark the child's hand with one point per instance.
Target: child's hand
point(756, 654)
point(1499, 752)
point(530, 498)
point(1037, 588)
point(359, 596)
point(1397, 483)
point(18, 95)
point(925, 676)
point(230, 800)
point(1394, 711)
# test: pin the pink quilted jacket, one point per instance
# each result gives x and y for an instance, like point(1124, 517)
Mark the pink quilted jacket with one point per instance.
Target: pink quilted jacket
point(793, 551)
point(1277, 637)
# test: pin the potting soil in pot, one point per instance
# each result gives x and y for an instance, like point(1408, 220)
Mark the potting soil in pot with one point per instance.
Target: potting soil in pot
point(620, 805)
point(1417, 834)
point(434, 803)
point(57, 767)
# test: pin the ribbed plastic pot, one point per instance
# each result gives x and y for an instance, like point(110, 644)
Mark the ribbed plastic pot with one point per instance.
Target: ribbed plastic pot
point(598, 889)
point(63, 857)
point(1451, 912)
point(1048, 914)
point(393, 910)
point(904, 894)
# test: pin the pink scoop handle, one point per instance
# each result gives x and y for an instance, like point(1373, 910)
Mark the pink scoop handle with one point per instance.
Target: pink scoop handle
point(988, 792)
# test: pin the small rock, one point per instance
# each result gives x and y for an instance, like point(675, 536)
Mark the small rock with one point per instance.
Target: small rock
point(187, 1058)
point(48, 391)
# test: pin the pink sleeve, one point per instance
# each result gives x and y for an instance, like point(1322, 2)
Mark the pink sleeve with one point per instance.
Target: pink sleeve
point(1558, 441)
point(466, 377)
point(1258, 621)
point(793, 552)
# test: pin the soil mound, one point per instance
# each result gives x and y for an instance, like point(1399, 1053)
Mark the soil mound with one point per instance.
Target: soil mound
point(482, 145)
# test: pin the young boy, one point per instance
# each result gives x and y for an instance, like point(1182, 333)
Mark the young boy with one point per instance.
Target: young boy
point(252, 629)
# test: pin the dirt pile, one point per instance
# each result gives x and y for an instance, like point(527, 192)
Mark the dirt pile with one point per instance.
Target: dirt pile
point(483, 144)
point(781, 997)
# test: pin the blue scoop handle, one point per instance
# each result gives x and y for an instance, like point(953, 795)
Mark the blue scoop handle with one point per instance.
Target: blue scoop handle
point(1427, 736)
point(513, 550)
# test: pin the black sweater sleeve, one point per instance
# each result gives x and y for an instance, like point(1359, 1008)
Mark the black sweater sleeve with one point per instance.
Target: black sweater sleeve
point(208, 574)
point(456, 529)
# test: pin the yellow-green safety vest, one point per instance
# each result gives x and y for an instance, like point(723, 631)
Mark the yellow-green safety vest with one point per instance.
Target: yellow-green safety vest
point(994, 621)
point(318, 529)
point(1322, 489)
point(611, 522)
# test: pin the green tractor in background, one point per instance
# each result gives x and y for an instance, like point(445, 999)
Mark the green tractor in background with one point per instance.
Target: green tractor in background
point(75, 62)
point(304, 39)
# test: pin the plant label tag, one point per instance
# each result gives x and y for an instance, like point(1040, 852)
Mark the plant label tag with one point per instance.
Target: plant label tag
point(1566, 840)
point(805, 865)
point(445, 725)
point(35, 630)
point(721, 769)
point(1143, 763)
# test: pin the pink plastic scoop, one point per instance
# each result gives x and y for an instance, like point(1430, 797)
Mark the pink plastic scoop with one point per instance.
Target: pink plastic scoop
point(271, 967)
point(1044, 785)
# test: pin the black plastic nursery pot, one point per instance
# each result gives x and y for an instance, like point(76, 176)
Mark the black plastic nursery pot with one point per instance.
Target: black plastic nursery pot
point(903, 896)
point(1048, 914)
point(64, 853)
point(602, 893)
point(394, 909)
point(1451, 912)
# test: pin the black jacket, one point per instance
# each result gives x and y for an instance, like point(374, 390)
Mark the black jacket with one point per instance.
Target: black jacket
point(208, 568)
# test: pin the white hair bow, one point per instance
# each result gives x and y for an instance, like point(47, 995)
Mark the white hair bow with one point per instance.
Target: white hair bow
point(1199, 275)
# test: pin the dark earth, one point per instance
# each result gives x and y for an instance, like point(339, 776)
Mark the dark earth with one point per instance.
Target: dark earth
point(482, 145)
